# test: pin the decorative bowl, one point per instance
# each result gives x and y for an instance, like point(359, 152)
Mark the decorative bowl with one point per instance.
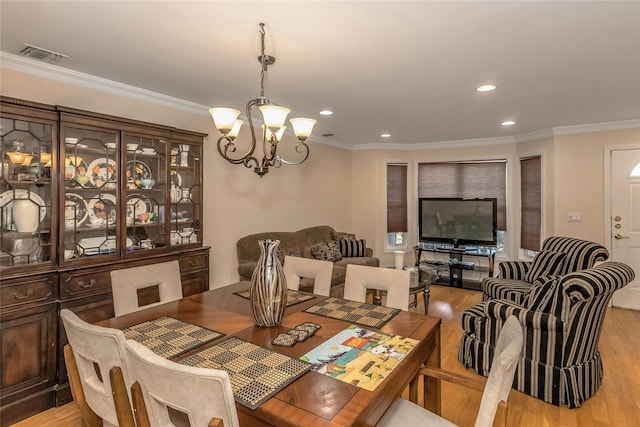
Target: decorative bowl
point(147, 182)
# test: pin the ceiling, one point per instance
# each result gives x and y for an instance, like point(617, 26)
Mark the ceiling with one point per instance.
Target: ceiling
point(406, 68)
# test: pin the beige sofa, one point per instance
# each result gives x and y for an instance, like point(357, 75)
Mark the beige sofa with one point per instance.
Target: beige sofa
point(299, 243)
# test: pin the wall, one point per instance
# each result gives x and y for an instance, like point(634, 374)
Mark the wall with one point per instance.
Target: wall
point(579, 180)
point(572, 181)
point(347, 189)
point(237, 202)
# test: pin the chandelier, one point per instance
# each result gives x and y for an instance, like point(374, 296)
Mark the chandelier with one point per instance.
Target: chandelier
point(274, 116)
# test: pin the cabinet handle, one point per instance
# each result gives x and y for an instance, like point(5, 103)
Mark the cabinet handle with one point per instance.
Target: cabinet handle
point(84, 285)
point(193, 263)
point(27, 295)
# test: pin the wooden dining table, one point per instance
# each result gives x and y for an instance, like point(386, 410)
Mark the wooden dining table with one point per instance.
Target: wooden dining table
point(313, 399)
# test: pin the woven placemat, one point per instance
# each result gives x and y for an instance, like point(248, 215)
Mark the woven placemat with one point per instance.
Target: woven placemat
point(169, 337)
point(256, 373)
point(293, 297)
point(361, 313)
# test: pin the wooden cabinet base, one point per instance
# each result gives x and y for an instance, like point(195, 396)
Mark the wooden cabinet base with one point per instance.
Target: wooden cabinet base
point(31, 405)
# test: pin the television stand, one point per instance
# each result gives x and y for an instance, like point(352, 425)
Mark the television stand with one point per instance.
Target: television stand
point(457, 260)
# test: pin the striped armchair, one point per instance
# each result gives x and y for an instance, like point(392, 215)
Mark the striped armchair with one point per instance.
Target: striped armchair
point(562, 320)
point(510, 282)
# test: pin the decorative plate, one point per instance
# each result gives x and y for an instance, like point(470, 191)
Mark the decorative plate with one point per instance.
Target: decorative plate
point(102, 210)
point(102, 171)
point(6, 201)
point(136, 170)
point(137, 205)
point(72, 170)
point(75, 208)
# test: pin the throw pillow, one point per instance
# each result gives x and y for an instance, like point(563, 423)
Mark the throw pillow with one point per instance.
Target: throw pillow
point(326, 251)
point(541, 294)
point(546, 263)
point(352, 248)
point(344, 236)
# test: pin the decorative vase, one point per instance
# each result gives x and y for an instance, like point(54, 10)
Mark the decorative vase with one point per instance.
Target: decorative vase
point(268, 291)
point(25, 215)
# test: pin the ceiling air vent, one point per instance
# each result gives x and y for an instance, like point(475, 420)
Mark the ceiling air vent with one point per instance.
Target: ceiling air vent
point(41, 54)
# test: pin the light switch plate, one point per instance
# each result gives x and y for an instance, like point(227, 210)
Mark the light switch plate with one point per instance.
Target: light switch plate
point(574, 216)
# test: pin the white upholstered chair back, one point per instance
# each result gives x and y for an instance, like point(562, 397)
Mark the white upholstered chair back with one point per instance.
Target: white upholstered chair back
point(197, 393)
point(96, 350)
point(126, 282)
point(503, 369)
point(361, 278)
point(296, 268)
point(496, 388)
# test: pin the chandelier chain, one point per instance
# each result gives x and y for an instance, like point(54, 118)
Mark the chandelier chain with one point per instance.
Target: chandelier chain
point(262, 60)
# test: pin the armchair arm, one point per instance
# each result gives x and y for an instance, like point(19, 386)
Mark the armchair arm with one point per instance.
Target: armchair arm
point(502, 309)
point(245, 270)
point(514, 270)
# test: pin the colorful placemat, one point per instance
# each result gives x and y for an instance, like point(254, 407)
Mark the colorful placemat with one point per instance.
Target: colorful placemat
point(361, 313)
point(293, 297)
point(359, 356)
point(169, 337)
point(256, 373)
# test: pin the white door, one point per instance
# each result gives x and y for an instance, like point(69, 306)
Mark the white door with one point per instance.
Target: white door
point(625, 221)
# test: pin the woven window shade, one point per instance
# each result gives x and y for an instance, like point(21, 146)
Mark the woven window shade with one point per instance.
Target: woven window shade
point(478, 180)
point(531, 203)
point(397, 198)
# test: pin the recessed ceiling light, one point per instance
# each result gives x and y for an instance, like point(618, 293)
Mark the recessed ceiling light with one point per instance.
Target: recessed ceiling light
point(326, 112)
point(385, 135)
point(508, 123)
point(486, 88)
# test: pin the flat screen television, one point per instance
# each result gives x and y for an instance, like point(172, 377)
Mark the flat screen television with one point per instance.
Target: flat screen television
point(458, 221)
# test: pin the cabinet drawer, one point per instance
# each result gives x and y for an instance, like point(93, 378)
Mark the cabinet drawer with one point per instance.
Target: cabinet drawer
point(194, 261)
point(37, 289)
point(83, 284)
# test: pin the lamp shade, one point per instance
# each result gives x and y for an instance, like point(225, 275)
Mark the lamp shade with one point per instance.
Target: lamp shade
point(302, 127)
point(274, 116)
point(224, 118)
point(279, 133)
point(235, 130)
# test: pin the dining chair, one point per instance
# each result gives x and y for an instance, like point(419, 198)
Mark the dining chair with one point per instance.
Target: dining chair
point(495, 389)
point(296, 268)
point(167, 393)
point(141, 287)
point(99, 376)
point(361, 278)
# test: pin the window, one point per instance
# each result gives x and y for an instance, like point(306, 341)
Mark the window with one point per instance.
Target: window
point(530, 203)
point(477, 179)
point(396, 206)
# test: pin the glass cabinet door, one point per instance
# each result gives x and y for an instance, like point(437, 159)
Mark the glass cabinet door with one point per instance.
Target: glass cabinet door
point(185, 193)
point(146, 192)
point(26, 191)
point(90, 192)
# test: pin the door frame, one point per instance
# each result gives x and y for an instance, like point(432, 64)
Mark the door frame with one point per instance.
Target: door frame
point(608, 150)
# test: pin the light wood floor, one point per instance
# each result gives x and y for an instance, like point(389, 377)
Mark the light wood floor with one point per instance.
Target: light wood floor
point(617, 403)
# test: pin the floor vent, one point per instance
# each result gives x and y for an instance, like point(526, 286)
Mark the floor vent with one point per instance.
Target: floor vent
point(35, 52)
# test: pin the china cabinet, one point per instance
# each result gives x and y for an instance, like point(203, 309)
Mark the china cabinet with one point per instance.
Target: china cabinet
point(82, 194)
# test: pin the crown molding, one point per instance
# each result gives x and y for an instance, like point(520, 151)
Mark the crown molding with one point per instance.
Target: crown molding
point(437, 145)
point(65, 75)
point(597, 127)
